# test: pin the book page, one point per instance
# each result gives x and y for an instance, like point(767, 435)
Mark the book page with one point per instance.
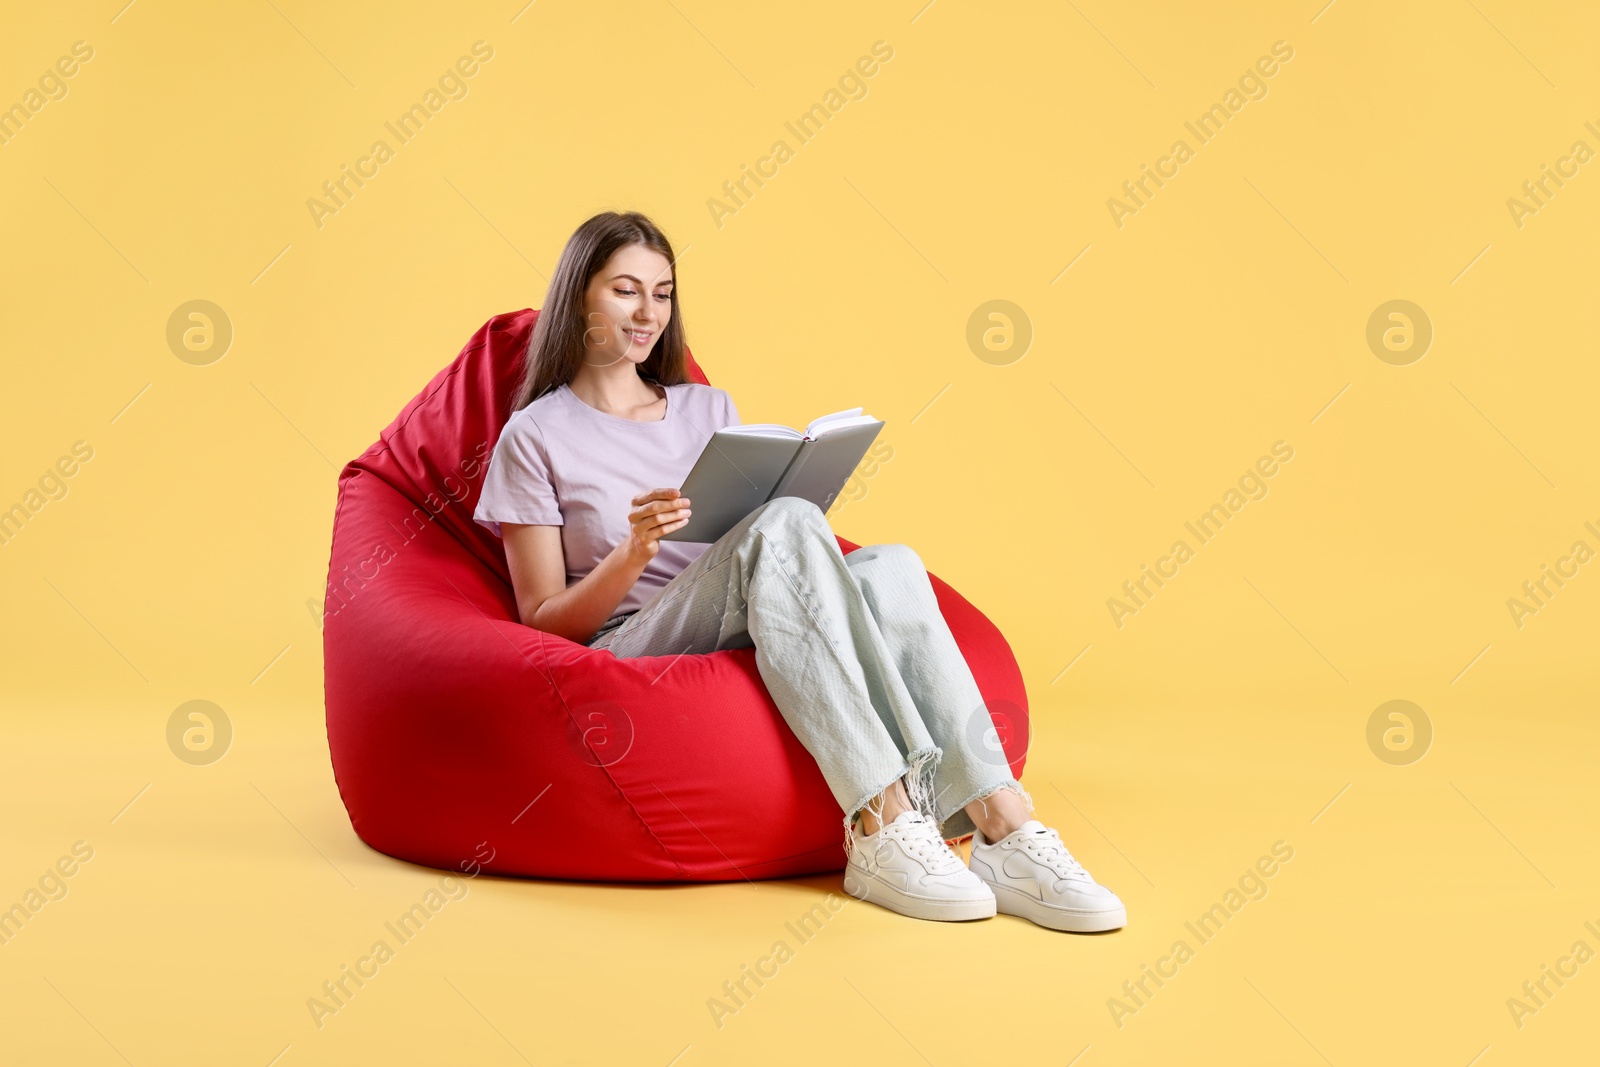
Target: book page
point(762, 429)
point(815, 428)
point(815, 425)
point(840, 420)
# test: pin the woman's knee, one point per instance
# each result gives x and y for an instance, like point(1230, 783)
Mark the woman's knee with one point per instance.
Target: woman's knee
point(896, 557)
point(906, 557)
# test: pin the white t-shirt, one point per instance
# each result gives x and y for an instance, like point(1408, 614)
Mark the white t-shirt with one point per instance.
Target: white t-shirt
point(560, 462)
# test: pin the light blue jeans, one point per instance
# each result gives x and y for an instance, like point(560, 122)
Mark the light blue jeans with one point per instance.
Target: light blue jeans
point(853, 650)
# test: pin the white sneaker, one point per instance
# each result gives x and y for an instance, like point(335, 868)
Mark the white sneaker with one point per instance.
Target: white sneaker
point(1033, 875)
point(907, 868)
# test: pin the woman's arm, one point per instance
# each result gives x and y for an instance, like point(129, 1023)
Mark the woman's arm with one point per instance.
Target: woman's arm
point(539, 568)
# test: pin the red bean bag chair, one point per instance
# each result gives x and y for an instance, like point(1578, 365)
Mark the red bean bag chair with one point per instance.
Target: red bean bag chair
point(464, 740)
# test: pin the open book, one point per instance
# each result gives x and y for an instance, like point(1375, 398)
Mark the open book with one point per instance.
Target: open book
point(745, 466)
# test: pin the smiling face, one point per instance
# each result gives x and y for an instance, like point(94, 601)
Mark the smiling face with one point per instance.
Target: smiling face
point(627, 305)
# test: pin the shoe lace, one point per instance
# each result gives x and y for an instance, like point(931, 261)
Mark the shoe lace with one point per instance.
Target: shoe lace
point(920, 838)
point(1048, 850)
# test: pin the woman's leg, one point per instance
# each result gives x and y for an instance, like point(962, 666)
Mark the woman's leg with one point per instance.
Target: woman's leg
point(972, 781)
point(777, 580)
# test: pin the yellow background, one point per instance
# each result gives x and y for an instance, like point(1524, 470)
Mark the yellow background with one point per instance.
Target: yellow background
point(1229, 313)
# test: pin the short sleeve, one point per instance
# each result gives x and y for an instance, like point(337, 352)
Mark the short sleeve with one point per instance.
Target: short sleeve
point(730, 417)
point(518, 486)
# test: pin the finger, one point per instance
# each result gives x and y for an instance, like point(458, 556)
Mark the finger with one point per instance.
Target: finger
point(650, 522)
point(665, 528)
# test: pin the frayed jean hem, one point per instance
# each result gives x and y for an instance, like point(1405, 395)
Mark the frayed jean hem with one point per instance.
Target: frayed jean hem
point(918, 776)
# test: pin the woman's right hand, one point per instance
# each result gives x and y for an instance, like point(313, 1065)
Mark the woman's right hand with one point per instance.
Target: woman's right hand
point(656, 512)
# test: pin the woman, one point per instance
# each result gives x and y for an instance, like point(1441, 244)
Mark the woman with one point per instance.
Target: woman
point(852, 648)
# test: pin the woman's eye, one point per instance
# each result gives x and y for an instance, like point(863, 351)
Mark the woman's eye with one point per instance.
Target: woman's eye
point(623, 292)
point(663, 296)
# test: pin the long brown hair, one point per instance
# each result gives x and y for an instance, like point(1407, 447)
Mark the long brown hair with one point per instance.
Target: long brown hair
point(556, 348)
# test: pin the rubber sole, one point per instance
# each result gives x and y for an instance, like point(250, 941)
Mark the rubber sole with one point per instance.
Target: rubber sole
point(865, 887)
point(1012, 902)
